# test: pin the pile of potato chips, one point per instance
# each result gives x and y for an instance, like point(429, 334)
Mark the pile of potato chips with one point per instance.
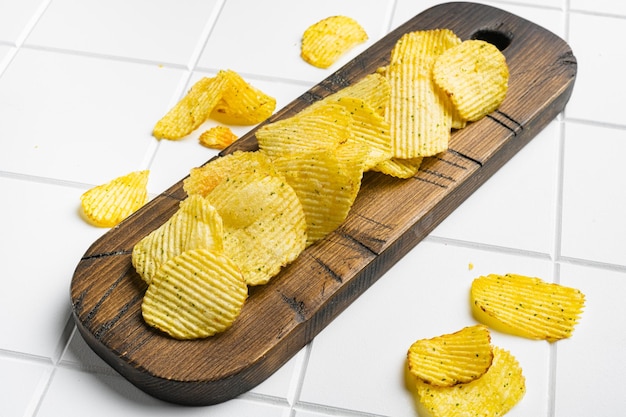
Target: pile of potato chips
point(462, 373)
point(252, 213)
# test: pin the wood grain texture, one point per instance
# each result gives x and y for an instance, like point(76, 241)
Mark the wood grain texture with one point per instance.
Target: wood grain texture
point(389, 218)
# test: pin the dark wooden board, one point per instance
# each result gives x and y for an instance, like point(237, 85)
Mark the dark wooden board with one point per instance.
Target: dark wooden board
point(389, 217)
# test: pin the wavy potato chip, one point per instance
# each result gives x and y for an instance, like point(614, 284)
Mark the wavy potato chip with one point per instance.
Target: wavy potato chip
point(217, 137)
point(264, 223)
point(106, 205)
point(192, 110)
point(325, 128)
point(325, 41)
point(527, 306)
point(493, 394)
point(452, 359)
point(326, 183)
point(196, 224)
point(202, 180)
point(399, 168)
point(241, 103)
point(475, 75)
point(196, 294)
point(419, 116)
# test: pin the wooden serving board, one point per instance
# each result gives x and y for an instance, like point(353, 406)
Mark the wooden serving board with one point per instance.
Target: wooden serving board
point(389, 217)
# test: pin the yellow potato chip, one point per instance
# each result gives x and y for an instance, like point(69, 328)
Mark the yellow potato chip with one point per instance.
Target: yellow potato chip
point(373, 89)
point(264, 223)
point(326, 182)
point(527, 306)
point(108, 204)
point(452, 359)
point(194, 295)
point(493, 394)
point(419, 117)
point(202, 180)
point(324, 128)
point(217, 137)
point(192, 110)
point(475, 75)
point(241, 103)
point(325, 41)
point(399, 168)
point(196, 224)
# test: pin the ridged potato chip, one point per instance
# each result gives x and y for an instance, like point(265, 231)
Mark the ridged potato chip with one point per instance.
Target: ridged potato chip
point(217, 137)
point(493, 394)
point(527, 306)
point(192, 110)
point(226, 97)
point(202, 180)
point(326, 183)
point(324, 128)
point(241, 103)
point(475, 75)
point(264, 223)
point(196, 224)
point(419, 117)
point(325, 41)
point(106, 205)
point(399, 168)
point(452, 359)
point(196, 294)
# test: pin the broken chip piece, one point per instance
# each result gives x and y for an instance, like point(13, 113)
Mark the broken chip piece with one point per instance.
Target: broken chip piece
point(217, 137)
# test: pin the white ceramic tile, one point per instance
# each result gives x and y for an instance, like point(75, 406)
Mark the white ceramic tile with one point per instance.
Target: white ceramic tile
point(5, 54)
point(597, 44)
point(174, 159)
point(516, 207)
point(77, 393)
point(163, 31)
point(270, 46)
point(77, 118)
point(599, 6)
point(596, 348)
point(593, 225)
point(21, 384)
point(358, 361)
point(15, 18)
point(42, 240)
point(79, 355)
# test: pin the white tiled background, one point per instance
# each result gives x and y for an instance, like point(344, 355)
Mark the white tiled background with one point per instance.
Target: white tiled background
point(82, 83)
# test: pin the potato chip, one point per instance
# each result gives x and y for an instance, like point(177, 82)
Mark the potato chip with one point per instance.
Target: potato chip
point(326, 183)
point(217, 137)
point(399, 168)
point(452, 359)
point(419, 118)
point(373, 89)
point(194, 295)
point(192, 110)
point(527, 306)
point(108, 204)
point(241, 103)
point(493, 394)
point(202, 180)
point(475, 75)
point(196, 224)
point(324, 128)
point(325, 41)
point(264, 223)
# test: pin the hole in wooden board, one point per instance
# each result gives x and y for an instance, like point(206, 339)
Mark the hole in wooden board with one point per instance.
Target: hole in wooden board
point(498, 39)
